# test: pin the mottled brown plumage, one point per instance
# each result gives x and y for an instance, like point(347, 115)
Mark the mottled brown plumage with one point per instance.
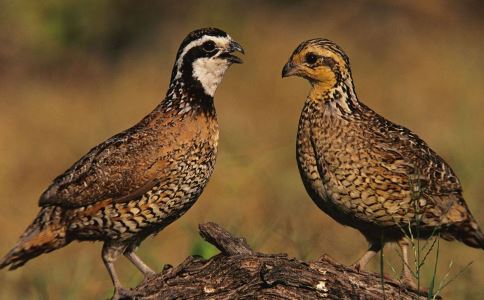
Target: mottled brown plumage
point(139, 181)
point(367, 172)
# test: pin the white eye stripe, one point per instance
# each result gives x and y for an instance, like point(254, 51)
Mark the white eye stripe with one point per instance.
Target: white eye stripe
point(196, 43)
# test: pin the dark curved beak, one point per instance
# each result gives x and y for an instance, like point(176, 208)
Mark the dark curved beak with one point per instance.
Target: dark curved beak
point(289, 69)
point(233, 47)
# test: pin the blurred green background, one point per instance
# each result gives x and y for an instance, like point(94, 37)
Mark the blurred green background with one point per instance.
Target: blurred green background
point(73, 73)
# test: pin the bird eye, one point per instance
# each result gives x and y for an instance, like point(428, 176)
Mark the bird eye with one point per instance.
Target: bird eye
point(209, 46)
point(311, 58)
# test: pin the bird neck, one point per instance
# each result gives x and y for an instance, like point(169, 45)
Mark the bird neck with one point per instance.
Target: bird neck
point(186, 98)
point(338, 97)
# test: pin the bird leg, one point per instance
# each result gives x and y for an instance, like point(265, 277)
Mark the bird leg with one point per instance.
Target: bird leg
point(147, 271)
point(406, 277)
point(109, 254)
point(373, 249)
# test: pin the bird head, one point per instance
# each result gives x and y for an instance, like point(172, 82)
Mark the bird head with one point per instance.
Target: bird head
point(320, 61)
point(204, 56)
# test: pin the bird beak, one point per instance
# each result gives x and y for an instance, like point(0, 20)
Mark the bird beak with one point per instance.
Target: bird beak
point(234, 46)
point(289, 69)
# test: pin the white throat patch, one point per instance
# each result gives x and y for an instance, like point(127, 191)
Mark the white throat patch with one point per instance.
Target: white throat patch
point(209, 71)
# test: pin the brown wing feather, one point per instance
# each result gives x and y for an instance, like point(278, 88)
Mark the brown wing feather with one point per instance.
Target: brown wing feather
point(420, 170)
point(389, 162)
point(398, 143)
point(117, 168)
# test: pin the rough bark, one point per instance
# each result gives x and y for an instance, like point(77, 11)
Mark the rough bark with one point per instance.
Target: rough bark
point(238, 272)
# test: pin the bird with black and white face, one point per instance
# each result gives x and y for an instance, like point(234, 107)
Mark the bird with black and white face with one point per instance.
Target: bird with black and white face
point(203, 58)
point(139, 181)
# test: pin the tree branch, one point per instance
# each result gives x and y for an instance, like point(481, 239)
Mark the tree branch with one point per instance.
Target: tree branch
point(240, 273)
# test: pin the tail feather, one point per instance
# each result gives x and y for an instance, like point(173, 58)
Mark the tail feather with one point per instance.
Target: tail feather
point(472, 236)
point(468, 233)
point(44, 235)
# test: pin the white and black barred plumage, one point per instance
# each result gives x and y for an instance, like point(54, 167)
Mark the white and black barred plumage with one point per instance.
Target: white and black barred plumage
point(137, 182)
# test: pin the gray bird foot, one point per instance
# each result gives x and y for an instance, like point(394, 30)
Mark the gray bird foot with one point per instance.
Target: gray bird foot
point(356, 266)
point(124, 294)
point(147, 277)
point(410, 284)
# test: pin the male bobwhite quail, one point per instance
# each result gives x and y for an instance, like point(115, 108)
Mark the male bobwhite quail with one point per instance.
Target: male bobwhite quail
point(136, 183)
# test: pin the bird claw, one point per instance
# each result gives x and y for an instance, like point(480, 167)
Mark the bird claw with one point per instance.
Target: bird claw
point(148, 276)
point(410, 284)
point(124, 294)
point(356, 266)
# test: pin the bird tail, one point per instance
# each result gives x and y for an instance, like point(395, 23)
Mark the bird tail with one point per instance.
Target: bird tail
point(45, 234)
point(472, 235)
point(468, 233)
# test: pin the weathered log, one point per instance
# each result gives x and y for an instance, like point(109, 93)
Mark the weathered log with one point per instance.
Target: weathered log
point(238, 272)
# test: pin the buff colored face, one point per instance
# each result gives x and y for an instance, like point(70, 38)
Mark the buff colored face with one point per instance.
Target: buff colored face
point(316, 63)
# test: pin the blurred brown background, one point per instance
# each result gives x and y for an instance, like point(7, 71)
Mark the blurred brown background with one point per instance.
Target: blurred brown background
point(73, 73)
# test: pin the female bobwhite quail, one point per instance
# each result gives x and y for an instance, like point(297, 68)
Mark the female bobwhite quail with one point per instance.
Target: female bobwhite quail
point(366, 172)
